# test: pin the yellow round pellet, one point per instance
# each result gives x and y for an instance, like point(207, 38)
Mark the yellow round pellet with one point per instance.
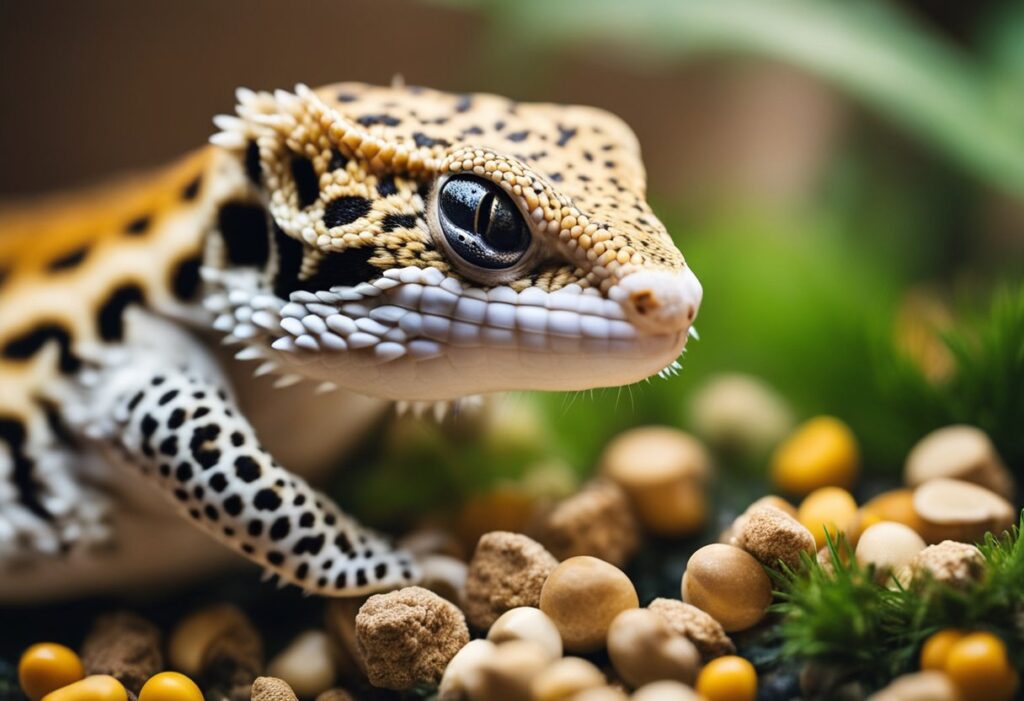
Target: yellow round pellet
point(936, 648)
point(45, 667)
point(821, 453)
point(170, 686)
point(828, 508)
point(728, 678)
point(979, 669)
point(98, 687)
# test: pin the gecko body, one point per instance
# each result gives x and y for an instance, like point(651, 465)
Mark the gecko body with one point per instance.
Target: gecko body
point(393, 243)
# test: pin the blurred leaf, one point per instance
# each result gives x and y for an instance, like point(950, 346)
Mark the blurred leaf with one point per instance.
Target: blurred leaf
point(870, 50)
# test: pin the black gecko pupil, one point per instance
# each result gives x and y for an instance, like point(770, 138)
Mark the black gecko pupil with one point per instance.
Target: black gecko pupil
point(481, 223)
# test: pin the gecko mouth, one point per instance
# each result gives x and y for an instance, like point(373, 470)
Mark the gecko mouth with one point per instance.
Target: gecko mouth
point(415, 333)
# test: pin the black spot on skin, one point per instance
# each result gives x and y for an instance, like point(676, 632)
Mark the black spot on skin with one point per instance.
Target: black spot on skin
point(555, 177)
point(380, 571)
point(157, 381)
point(280, 529)
point(29, 343)
point(137, 226)
point(200, 412)
point(233, 505)
point(211, 512)
point(255, 528)
point(169, 445)
point(386, 185)
point(69, 260)
point(207, 457)
point(299, 499)
point(275, 558)
point(253, 167)
point(472, 131)
point(218, 482)
point(248, 549)
point(228, 531)
point(609, 164)
point(135, 401)
point(183, 473)
point(243, 227)
point(338, 160)
point(345, 210)
point(398, 221)
point(518, 136)
point(301, 571)
point(181, 495)
point(110, 318)
point(185, 278)
point(368, 120)
point(307, 184)
point(424, 190)
point(237, 439)
point(309, 544)
point(588, 156)
point(361, 577)
point(499, 125)
point(342, 542)
point(565, 134)
point(307, 519)
point(463, 103)
point(12, 432)
point(266, 500)
point(342, 580)
point(199, 492)
point(165, 470)
point(424, 141)
point(348, 267)
point(190, 190)
point(330, 520)
point(148, 426)
point(167, 397)
point(345, 97)
point(247, 469)
point(289, 262)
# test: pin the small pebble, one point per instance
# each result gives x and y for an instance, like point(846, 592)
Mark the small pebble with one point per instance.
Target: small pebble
point(98, 687)
point(125, 646)
point(956, 564)
point(959, 452)
point(272, 689)
point(728, 678)
point(507, 571)
point(698, 627)
point(445, 576)
point(564, 678)
point(918, 686)
point(583, 595)
point(741, 414)
point(771, 535)
point(507, 674)
point(335, 695)
point(644, 649)
point(527, 623)
point(889, 547)
point(453, 681)
point(170, 686)
point(45, 667)
point(963, 511)
point(665, 690)
point(307, 664)
point(190, 638)
point(821, 453)
point(663, 471)
point(597, 521)
point(729, 584)
point(829, 508)
point(407, 637)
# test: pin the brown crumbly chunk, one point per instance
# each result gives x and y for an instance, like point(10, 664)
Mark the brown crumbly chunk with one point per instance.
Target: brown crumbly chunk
point(597, 521)
point(507, 571)
point(272, 689)
point(950, 562)
point(407, 637)
point(770, 534)
point(233, 660)
point(706, 634)
point(125, 646)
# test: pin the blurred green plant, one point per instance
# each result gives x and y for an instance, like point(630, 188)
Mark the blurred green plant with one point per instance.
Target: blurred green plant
point(870, 50)
point(838, 616)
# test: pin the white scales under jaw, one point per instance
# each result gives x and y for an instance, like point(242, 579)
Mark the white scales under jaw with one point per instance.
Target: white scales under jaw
point(420, 314)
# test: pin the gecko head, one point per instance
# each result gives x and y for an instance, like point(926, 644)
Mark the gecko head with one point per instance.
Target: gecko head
point(423, 245)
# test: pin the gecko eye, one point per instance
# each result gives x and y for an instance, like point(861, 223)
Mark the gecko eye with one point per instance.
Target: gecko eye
point(481, 224)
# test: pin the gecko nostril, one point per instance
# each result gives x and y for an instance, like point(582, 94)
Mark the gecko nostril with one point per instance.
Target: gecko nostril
point(644, 302)
point(691, 312)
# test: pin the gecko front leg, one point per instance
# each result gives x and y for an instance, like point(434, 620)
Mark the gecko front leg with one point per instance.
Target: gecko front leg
point(178, 425)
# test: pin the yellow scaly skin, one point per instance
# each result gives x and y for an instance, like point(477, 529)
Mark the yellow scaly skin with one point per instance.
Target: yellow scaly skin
point(399, 242)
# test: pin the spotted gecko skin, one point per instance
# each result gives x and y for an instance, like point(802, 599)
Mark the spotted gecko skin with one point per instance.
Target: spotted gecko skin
point(396, 242)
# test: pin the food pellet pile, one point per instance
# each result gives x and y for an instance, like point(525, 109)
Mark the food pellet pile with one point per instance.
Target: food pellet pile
point(550, 613)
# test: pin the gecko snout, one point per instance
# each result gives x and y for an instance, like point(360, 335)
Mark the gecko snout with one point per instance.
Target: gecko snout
point(661, 302)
